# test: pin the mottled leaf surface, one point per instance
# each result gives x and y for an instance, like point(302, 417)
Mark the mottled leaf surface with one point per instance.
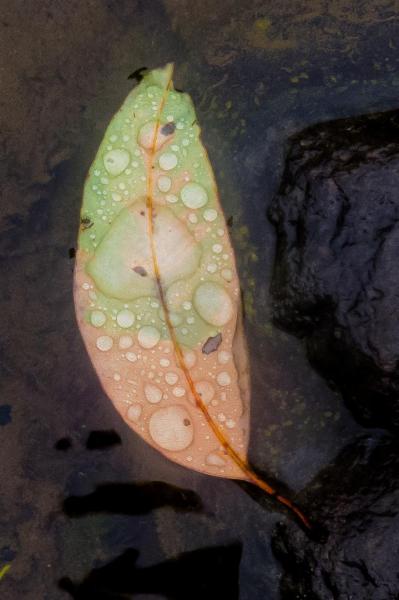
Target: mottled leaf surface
point(156, 289)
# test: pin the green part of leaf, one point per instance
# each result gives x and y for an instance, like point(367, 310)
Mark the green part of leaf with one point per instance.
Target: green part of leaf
point(119, 256)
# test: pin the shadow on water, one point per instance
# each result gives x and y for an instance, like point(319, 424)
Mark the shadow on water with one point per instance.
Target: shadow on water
point(63, 444)
point(125, 498)
point(211, 573)
point(97, 440)
point(100, 440)
point(132, 499)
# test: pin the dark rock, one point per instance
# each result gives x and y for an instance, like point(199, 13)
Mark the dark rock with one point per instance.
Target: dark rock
point(336, 281)
point(357, 500)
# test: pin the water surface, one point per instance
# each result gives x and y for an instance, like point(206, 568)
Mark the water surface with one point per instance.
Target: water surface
point(257, 74)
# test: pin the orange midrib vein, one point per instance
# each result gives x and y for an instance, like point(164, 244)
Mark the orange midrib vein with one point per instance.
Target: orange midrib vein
point(238, 460)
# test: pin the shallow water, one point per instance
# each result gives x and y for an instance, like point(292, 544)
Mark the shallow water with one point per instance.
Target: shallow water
point(256, 75)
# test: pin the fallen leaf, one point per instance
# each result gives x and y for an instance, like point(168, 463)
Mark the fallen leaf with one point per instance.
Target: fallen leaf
point(156, 289)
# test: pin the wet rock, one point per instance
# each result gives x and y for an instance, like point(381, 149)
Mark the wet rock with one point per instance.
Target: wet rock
point(336, 281)
point(357, 499)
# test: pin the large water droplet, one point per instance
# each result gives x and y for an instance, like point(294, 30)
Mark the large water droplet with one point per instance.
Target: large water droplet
point(104, 343)
point(193, 195)
point(223, 378)
point(164, 183)
point(125, 318)
point(171, 428)
point(97, 318)
point(213, 303)
point(167, 161)
point(134, 412)
point(215, 460)
point(152, 393)
point(116, 161)
point(148, 336)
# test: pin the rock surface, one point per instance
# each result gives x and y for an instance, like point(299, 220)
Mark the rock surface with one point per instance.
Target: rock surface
point(357, 499)
point(336, 281)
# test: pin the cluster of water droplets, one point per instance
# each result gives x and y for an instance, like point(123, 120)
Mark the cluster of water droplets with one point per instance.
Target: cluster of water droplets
point(135, 332)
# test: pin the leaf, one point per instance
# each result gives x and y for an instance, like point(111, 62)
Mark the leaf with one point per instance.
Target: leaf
point(156, 289)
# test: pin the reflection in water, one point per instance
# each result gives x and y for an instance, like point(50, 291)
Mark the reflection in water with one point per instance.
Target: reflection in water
point(211, 573)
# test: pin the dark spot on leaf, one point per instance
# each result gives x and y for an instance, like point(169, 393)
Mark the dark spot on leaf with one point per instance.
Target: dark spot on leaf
point(98, 440)
point(187, 422)
point(212, 344)
point(63, 444)
point(142, 213)
point(138, 74)
point(5, 414)
point(86, 223)
point(140, 271)
point(168, 129)
point(71, 252)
